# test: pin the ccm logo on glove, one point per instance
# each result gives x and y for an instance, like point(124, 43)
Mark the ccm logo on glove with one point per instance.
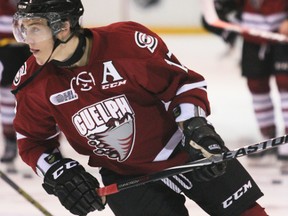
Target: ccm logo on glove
point(64, 167)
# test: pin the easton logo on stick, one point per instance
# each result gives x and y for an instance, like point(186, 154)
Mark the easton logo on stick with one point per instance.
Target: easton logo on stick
point(255, 148)
point(176, 170)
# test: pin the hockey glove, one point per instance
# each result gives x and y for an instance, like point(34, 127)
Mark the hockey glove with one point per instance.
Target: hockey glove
point(228, 37)
point(200, 139)
point(74, 187)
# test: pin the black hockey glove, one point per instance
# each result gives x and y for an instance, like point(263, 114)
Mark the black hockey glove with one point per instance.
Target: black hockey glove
point(200, 139)
point(74, 187)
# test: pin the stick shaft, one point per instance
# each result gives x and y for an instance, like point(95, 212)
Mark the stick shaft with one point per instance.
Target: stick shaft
point(24, 194)
point(229, 155)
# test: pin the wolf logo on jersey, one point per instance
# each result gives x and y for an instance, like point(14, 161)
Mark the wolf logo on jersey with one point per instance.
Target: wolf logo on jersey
point(108, 126)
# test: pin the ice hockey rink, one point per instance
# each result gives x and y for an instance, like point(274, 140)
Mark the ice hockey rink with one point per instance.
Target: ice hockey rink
point(231, 115)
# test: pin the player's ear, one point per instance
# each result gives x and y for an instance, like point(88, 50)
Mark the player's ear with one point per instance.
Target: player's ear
point(65, 32)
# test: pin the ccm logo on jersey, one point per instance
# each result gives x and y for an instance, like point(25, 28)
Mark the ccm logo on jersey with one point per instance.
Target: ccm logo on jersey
point(111, 77)
point(146, 41)
point(239, 193)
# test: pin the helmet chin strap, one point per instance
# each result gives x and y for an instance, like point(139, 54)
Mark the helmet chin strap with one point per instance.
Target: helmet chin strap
point(77, 55)
point(73, 59)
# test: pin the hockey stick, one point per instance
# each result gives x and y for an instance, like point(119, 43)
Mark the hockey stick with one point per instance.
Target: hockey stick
point(24, 194)
point(236, 153)
point(210, 15)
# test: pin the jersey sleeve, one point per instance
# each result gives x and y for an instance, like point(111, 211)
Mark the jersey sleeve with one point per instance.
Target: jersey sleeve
point(36, 130)
point(175, 84)
point(160, 73)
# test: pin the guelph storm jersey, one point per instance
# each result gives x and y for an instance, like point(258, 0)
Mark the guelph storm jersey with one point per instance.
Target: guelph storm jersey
point(118, 109)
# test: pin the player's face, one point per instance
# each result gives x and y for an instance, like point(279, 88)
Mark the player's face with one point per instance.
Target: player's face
point(37, 34)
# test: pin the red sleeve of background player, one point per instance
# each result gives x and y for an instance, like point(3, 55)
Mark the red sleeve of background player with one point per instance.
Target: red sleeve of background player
point(7, 9)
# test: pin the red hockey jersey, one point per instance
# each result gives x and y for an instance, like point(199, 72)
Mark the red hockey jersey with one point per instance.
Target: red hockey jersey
point(118, 109)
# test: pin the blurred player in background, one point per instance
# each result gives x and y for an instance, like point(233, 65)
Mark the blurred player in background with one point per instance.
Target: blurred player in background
point(12, 56)
point(261, 59)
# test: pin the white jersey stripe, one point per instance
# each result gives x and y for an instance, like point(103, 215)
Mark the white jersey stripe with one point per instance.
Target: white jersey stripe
point(165, 153)
point(191, 86)
point(5, 24)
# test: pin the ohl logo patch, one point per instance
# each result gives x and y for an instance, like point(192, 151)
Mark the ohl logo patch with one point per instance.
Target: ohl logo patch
point(146, 41)
point(109, 127)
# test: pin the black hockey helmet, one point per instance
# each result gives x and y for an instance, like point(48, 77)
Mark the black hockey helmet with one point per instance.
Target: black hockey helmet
point(54, 11)
point(44, 19)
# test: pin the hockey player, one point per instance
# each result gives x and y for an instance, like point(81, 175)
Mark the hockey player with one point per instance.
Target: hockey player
point(124, 100)
point(12, 56)
point(262, 60)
